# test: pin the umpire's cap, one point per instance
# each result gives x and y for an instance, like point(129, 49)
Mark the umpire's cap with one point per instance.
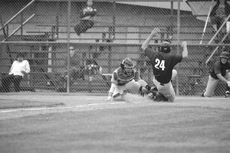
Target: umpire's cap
point(224, 54)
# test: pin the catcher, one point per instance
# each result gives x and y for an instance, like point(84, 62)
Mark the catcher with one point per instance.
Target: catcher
point(86, 18)
point(163, 63)
point(126, 78)
point(219, 72)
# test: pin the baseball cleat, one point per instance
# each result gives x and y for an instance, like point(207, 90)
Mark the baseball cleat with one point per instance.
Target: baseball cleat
point(116, 95)
point(160, 97)
point(109, 99)
point(227, 94)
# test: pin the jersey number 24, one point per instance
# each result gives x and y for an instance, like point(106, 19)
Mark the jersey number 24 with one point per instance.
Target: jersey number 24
point(159, 64)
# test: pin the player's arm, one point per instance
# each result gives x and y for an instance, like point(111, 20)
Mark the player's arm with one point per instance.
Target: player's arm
point(185, 49)
point(217, 71)
point(114, 78)
point(14, 63)
point(154, 32)
point(136, 76)
point(27, 67)
point(220, 77)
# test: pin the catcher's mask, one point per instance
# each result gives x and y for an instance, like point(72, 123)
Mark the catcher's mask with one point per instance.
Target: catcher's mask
point(127, 63)
point(165, 46)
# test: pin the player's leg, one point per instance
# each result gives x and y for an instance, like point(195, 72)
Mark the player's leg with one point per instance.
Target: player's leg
point(214, 22)
point(78, 28)
point(160, 94)
point(111, 91)
point(211, 85)
point(142, 82)
point(168, 91)
point(83, 26)
point(174, 74)
point(6, 81)
point(118, 91)
point(137, 87)
point(133, 86)
point(17, 80)
point(227, 92)
point(73, 76)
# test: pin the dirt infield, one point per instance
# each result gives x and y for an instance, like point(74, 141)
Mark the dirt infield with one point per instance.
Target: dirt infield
point(83, 122)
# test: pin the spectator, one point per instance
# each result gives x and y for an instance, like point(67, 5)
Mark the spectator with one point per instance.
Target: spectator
point(219, 72)
point(19, 68)
point(75, 66)
point(219, 13)
point(86, 18)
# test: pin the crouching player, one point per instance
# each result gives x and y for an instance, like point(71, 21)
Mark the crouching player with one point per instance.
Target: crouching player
point(126, 78)
point(219, 72)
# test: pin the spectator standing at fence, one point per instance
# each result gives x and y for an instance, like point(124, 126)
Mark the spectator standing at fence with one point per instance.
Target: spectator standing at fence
point(75, 66)
point(219, 72)
point(126, 78)
point(163, 63)
point(18, 69)
point(86, 18)
point(219, 13)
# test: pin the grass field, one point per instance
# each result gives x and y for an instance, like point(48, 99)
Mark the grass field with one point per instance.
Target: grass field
point(80, 122)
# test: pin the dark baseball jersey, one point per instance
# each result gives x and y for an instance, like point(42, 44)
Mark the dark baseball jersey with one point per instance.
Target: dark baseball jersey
point(219, 68)
point(163, 64)
point(122, 77)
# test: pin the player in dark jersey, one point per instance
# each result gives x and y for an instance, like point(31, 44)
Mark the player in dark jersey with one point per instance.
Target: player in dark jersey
point(219, 72)
point(163, 63)
point(126, 78)
point(86, 16)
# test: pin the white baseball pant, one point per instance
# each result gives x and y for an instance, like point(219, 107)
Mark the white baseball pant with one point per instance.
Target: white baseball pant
point(166, 89)
point(212, 83)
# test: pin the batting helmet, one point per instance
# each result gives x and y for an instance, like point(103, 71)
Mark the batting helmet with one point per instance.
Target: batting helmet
point(224, 54)
point(127, 63)
point(165, 46)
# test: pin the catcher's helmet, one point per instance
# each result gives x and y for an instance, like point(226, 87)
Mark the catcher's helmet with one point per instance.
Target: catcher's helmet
point(127, 63)
point(224, 54)
point(165, 46)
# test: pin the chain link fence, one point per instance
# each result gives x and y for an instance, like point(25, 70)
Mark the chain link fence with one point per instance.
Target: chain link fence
point(119, 30)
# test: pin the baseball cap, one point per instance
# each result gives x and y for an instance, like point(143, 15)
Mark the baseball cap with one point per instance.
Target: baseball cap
point(71, 47)
point(224, 54)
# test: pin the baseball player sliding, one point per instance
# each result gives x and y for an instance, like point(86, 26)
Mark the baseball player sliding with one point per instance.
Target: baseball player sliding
point(126, 78)
point(163, 63)
point(219, 72)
